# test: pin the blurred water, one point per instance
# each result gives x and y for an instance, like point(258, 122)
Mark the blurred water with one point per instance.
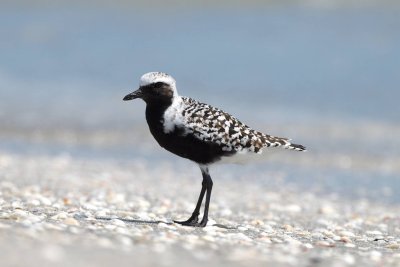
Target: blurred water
point(341, 63)
point(328, 78)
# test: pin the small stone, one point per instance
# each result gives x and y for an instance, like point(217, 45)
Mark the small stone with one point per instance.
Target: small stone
point(46, 201)
point(317, 235)
point(209, 238)
point(60, 216)
point(18, 214)
point(118, 222)
point(374, 233)
point(67, 201)
point(287, 227)
point(347, 233)
point(17, 205)
point(242, 228)
point(267, 228)
point(308, 246)
point(257, 223)
point(101, 214)
point(34, 202)
point(304, 234)
point(325, 244)
point(71, 221)
point(345, 239)
point(328, 233)
point(393, 246)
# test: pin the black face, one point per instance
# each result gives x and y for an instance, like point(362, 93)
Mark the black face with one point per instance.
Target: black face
point(157, 91)
point(153, 93)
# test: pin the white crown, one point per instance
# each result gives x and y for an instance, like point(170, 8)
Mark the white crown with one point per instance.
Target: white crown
point(154, 77)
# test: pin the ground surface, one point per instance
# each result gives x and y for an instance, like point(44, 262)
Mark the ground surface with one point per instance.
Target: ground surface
point(60, 211)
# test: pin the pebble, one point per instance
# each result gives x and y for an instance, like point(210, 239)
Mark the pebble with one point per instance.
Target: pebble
point(267, 228)
point(317, 235)
point(325, 244)
point(101, 214)
point(242, 228)
point(350, 245)
point(46, 201)
point(118, 222)
point(18, 214)
point(287, 228)
point(308, 246)
point(393, 246)
point(70, 221)
point(60, 216)
point(34, 202)
point(209, 238)
point(345, 239)
point(257, 223)
point(374, 233)
point(346, 233)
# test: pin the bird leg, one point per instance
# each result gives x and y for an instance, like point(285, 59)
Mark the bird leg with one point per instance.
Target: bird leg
point(209, 185)
point(206, 186)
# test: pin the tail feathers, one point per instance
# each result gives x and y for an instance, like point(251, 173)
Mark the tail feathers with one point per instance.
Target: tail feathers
point(296, 147)
point(272, 141)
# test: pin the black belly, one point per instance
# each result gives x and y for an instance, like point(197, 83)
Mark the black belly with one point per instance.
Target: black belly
point(188, 146)
point(181, 144)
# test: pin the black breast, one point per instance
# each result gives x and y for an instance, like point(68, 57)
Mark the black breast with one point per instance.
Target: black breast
point(179, 143)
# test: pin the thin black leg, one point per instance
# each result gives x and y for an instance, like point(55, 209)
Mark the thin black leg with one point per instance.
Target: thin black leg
point(209, 185)
point(206, 186)
point(193, 220)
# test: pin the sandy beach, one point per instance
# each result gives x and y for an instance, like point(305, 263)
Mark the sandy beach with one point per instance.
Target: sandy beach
point(60, 211)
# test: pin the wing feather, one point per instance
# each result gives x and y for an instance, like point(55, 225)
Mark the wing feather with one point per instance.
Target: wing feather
point(211, 124)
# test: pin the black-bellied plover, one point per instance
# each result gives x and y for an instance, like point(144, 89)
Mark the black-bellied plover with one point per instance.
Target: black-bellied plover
point(197, 131)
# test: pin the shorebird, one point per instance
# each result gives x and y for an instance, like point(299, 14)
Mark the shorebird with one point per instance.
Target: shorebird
point(198, 132)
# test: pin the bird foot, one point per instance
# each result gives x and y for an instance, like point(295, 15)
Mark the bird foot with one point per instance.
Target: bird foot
point(193, 221)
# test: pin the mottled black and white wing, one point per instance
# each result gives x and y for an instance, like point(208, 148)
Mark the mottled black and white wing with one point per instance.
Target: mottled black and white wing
point(211, 124)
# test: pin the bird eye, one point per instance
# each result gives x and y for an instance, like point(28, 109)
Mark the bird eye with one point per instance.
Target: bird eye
point(158, 85)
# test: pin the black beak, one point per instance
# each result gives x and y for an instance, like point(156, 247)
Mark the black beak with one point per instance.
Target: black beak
point(133, 95)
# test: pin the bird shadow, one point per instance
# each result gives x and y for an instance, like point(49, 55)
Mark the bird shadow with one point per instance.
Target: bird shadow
point(134, 221)
point(156, 222)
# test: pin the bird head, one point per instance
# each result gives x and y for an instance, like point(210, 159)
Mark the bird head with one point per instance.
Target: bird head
point(155, 87)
